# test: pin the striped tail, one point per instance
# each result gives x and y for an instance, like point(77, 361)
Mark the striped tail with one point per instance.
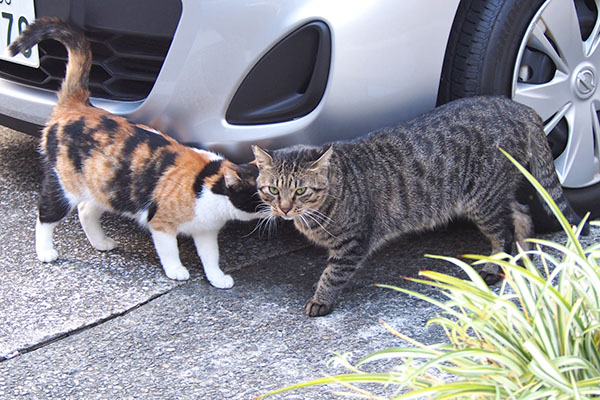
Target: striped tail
point(75, 85)
point(542, 168)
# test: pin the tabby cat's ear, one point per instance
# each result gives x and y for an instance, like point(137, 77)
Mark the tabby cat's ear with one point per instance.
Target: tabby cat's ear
point(263, 159)
point(323, 161)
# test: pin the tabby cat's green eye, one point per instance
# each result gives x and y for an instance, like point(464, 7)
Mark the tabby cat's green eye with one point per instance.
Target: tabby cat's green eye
point(273, 190)
point(300, 191)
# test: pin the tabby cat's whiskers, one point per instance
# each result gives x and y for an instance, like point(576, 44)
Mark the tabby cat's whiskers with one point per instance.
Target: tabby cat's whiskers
point(316, 221)
point(267, 221)
point(319, 214)
point(304, 221)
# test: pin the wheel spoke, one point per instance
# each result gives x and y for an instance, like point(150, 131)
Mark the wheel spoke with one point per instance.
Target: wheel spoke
point(556, 118)
point(591, 44)
point(539, 41)
point(545, 98)
point(562, 24)
point(575, 164)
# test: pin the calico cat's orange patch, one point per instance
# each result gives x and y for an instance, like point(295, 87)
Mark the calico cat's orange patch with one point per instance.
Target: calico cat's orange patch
point(175, 193)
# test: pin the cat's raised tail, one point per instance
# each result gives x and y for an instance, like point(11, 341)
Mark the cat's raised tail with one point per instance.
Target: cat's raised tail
point(75, 85)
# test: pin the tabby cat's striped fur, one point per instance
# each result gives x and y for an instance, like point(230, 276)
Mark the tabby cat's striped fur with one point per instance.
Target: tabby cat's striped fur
point(100, 162)
point(353, 196)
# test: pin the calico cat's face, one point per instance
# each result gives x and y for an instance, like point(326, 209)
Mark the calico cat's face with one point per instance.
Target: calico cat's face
point(240, 187)
point(293, 182)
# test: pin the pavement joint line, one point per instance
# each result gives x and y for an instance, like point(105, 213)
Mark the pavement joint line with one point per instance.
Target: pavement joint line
point(59, 337)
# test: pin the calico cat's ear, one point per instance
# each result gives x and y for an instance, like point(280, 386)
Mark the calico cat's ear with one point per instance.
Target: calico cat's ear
point(323, 161)
point(231, 177)
point(263, 159)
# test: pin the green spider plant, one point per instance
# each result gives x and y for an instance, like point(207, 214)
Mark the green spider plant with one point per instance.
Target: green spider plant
point(537, 337)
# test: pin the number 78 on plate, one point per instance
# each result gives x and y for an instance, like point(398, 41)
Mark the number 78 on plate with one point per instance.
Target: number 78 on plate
point(15, 15)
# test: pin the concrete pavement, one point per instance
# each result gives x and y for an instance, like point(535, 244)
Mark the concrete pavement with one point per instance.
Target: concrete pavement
point(111, 326)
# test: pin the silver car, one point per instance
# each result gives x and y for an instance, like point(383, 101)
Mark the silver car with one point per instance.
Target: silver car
point(226, 74)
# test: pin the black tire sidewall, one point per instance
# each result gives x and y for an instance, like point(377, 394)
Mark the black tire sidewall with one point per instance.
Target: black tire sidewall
point(498, 66)
point(483, 47)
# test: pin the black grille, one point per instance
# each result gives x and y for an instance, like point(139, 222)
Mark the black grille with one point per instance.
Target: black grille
point(124, 66)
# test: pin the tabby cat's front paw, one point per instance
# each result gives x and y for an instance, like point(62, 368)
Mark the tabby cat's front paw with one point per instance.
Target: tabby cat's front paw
point(222, 282)
point(177, 273)
point(316, 308)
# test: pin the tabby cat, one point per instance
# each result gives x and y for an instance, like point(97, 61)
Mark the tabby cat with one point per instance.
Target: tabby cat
point(351, 197)
point(99, 162)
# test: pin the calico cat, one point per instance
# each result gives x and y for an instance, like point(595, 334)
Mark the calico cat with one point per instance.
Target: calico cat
point(99, 162)
point(351, 197)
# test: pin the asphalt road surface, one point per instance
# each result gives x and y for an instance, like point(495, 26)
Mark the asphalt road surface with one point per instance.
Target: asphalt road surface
point(111, 326)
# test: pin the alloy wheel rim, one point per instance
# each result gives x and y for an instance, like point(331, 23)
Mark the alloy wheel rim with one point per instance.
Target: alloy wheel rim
point(564, 37)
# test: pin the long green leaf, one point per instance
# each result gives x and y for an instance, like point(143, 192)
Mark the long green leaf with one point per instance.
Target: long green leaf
point(350, 378)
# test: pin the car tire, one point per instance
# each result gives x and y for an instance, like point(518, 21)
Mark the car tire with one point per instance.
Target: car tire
point(489, 53)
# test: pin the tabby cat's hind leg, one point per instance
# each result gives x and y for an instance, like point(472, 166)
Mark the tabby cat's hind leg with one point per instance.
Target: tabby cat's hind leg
point(53, 207)
point(89, 216)
point(523, 224)
point(497, 223)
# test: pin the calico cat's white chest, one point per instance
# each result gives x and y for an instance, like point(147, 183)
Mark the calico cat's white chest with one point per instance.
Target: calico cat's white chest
point(212, 211)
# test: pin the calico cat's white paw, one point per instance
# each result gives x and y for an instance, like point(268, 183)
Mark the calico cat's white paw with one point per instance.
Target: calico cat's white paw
point(105, 244)
point(178, 273)
point(47, 255)
point(222, 282)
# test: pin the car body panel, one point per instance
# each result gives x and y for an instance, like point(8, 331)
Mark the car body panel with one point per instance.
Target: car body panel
point(386, 64)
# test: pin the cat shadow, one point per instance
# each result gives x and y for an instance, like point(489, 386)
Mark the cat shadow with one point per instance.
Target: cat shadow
point(240, 246)
point(292, 277)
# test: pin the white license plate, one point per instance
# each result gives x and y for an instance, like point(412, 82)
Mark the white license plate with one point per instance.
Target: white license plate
point(15, 15)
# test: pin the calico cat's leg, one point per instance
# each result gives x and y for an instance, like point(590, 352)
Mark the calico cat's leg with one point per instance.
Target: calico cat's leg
point(341, 267)
point(207, 247)
point(44, 247)
point(53, 207)
point(89, 216)
point(168, 252)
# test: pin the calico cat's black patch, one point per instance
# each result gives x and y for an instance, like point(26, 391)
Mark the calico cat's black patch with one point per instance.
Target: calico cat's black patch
point(151, 211)
point(133, 191)
point(146, 181)
point(108, 124)
point(75, 129)
point(51, 144)
point(153, 140)
point(211, 169)
point(219, 187)
point(53, 206)
point(76, 133)
point(239, 196)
